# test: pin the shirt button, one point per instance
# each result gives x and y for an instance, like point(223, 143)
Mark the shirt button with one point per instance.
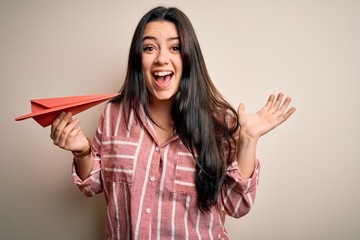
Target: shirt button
point(157, 149)
point(152, 178)
point(148, 210)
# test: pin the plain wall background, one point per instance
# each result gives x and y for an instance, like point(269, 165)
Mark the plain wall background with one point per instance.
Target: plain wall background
point(309, 185)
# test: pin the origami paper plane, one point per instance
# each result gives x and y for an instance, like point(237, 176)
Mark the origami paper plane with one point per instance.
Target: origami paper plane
point(45, 111)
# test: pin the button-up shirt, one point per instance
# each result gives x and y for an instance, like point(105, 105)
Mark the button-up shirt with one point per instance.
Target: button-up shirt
point(150, 189)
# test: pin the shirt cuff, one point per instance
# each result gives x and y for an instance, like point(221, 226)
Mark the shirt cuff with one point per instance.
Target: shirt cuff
point(243, 186)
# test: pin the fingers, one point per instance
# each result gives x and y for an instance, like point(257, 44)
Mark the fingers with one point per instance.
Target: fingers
point(269, 102)
point(278, 101)
point(286, 115)
point(272, 105)
point(279, 108)
point(58, 125)
point(55, 124)
point(62, 128)
point(284, 106)
point(276, 105)
point(68, 134)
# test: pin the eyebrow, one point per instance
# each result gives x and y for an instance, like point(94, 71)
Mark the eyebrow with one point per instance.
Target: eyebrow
point(154, 38)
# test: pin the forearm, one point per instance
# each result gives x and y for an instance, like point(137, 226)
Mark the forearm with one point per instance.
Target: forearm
point(84, 166)
point(246, 157)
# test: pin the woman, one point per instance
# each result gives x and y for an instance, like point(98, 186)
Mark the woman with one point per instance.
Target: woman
point(172, 157)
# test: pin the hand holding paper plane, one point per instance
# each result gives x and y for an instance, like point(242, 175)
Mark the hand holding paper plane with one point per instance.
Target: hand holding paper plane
point(45, 111)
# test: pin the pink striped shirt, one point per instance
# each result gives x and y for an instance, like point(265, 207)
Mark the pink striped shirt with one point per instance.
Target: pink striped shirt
point(150, 189)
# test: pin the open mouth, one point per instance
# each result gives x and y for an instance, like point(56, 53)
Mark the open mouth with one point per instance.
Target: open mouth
point(162, 79)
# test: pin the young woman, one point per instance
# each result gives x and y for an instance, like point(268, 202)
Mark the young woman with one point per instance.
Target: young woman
point(172, 157)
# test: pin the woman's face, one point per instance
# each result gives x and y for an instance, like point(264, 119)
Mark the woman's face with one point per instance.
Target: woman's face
point(161, 59)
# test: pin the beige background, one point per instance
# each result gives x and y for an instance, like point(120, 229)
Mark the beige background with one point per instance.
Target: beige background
point(309, 186)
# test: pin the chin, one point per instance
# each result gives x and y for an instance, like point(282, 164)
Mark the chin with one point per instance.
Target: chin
point(164, 97)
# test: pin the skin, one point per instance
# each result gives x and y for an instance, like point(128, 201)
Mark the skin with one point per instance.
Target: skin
point(253, 126)
point(162, 54)
point(67, 134)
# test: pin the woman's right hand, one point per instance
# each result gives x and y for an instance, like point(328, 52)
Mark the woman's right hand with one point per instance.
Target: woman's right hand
point(66, 133)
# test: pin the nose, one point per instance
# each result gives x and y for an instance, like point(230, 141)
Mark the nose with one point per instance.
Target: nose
point(162, 57)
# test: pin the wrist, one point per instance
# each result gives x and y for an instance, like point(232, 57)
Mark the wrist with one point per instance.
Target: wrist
point(245, 138)
point(80, 154)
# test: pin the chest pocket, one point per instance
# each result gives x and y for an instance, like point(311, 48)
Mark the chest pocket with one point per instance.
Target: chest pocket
point(184, 182)
point(118, 155)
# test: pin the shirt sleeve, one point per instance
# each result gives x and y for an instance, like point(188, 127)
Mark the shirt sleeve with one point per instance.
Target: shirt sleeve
point(92, 184)
point(238, 194)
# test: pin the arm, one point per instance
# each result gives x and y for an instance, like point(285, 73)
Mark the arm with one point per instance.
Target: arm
point(253, 126)
point(67, 135)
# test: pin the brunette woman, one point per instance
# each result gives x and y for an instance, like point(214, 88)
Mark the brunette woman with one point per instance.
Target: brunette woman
point(171, 155)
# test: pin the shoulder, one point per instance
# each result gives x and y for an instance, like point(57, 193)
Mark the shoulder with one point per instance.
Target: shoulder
point(111, 108)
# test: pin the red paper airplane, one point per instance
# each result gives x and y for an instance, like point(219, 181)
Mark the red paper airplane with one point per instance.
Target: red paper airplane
point(45, 111)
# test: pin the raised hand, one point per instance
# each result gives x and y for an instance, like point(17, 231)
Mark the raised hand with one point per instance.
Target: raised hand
point(253, 126)
point(67, 135)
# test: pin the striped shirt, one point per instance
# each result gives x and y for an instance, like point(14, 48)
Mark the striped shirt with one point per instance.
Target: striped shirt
point(150, 189)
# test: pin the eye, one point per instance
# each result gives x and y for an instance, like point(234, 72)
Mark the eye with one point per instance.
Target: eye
point(148, 48)
point(176, 48)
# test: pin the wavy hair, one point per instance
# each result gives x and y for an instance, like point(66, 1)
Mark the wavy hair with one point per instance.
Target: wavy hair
point(199, 111)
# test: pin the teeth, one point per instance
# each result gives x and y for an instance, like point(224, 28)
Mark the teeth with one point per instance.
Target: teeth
point(161, 74)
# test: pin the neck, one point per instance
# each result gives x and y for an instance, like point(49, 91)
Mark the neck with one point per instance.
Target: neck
point(160, 111)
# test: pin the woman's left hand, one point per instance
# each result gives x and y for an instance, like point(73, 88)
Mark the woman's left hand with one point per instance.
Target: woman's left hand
point(253, 126)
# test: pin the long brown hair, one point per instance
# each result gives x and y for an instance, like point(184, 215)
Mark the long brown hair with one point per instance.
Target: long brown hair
point(199, 111)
